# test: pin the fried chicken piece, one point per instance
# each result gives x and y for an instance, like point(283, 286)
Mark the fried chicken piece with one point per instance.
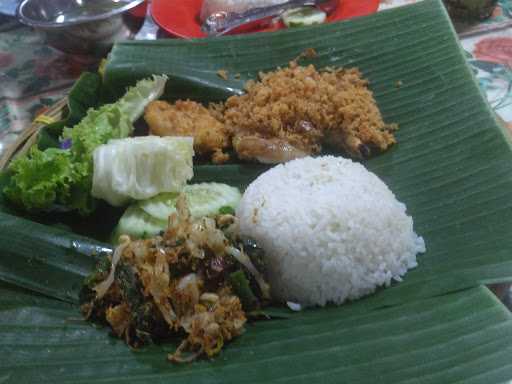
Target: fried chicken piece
point(265, 150)
point(300, 141)
point(292, 112)
point(188, 118)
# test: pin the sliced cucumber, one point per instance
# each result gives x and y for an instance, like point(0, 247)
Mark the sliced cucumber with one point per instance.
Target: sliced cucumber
point(147, 218)
point(203, 199)
point(137, 224)
point(303, 16)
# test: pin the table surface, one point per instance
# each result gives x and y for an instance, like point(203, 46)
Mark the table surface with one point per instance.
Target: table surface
point(33, 76)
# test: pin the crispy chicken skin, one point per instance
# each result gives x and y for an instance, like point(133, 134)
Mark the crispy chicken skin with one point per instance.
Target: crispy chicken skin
point(188, 118)
point(288, 113)
point(306, 109)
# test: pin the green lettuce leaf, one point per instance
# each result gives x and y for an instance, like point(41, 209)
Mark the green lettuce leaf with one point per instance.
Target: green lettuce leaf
point(112, 121)
point(83, 95)
point(43, 179)
point(133, 103)
point(97, 128)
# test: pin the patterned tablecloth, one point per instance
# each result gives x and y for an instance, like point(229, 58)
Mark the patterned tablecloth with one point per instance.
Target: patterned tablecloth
point(34, 76)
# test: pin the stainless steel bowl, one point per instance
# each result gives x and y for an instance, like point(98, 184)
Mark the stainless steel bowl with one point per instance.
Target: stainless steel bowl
point(83, 27)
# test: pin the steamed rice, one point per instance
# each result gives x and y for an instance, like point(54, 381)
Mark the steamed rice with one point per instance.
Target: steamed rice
point(331, 230)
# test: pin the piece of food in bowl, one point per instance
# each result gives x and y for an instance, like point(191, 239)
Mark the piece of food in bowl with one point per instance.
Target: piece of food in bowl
point(188, 118)
point(213, 6)
point(196, 280)
point(141, 167)
point(331, 230)
point(304, 16)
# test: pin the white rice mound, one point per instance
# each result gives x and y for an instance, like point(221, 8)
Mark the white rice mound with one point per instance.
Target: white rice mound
point(331, 230)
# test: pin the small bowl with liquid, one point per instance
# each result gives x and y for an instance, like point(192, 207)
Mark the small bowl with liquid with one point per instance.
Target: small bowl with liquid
point(84, 27)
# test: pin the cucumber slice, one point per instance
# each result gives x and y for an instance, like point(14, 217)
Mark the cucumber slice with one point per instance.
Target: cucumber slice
point(137, 224)
point(303, 16)
point(203, 199)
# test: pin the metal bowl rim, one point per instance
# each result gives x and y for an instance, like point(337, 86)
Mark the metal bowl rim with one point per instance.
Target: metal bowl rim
point(81, 20)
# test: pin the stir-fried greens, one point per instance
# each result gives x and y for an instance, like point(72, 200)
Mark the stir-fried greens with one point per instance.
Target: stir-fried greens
point(198, 279)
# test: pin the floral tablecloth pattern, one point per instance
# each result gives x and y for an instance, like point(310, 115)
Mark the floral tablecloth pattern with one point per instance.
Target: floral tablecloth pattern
point(33, 76)
point(488, 47)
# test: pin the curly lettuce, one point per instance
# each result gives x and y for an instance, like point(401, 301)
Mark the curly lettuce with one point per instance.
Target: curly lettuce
point(42, 179)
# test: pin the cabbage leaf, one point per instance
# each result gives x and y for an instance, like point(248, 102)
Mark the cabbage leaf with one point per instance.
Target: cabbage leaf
point(39, 180)
point(141, 167)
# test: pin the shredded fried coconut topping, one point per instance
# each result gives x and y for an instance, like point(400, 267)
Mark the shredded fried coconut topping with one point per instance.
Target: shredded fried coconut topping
point(285, 114)
point(180, 282)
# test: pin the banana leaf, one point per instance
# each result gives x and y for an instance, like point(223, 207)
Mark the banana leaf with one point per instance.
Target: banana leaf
point(46, 259)
point(452, 166)
point(463, 337)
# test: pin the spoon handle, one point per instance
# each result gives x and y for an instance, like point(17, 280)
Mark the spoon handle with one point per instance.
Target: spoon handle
point(220, 23)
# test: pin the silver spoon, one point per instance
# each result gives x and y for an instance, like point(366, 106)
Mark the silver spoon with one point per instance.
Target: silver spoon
point(219, 23)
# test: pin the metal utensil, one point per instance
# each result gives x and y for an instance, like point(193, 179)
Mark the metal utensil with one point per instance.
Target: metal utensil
point(8, 7)
point(82, 27)
point(221, 23)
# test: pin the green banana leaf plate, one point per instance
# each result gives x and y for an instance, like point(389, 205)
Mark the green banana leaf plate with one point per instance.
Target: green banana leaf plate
point(452, 166)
